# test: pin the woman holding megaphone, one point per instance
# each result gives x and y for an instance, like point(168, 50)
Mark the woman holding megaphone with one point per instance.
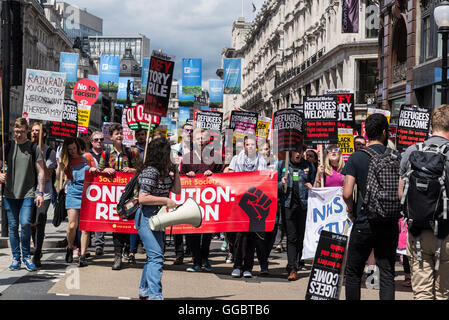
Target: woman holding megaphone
point(157, 179)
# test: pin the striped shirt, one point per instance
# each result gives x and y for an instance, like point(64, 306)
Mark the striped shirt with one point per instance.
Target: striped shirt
point(149, 183)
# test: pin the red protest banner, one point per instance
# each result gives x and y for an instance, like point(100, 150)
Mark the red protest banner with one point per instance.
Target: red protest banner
point(230, 202)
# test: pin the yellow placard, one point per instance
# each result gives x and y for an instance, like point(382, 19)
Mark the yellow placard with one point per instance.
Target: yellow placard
point(346, 142)
point(83, 116)
point(386, 113)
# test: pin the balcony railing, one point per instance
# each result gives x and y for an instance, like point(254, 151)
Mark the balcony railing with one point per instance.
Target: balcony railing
point(366, 97)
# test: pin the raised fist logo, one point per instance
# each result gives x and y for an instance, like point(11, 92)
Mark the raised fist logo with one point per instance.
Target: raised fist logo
point(256, 205)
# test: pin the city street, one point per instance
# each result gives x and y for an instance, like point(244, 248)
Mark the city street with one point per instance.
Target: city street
point(56, 280)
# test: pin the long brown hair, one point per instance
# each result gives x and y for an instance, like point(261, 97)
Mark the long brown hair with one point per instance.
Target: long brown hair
point(65, 156)
point(158, 156)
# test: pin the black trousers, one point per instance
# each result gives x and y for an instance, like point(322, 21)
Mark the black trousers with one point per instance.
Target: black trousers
point(38, 231)
point(200, 246)
point(179, 245)
point(244, 247)
point(383, 238)
point(120, 240)
point(295, 225)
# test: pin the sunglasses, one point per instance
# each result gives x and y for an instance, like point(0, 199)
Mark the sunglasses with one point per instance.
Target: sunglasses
point(333, 150)
point(188, 130)
point(98, 139)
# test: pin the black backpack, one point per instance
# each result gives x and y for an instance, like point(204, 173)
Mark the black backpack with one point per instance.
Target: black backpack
point(381, 201)
point(129, 201)
point(425, 198)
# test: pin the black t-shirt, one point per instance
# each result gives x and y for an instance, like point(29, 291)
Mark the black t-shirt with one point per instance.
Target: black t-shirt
point(96, 156)
point(357, 166)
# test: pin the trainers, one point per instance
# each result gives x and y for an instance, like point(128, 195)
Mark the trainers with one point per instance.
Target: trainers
point(195, 268)
point(37, 261)
point(229, 258)
point(131, 259)
point(206, 265)
point(224, 246)
point(247, 274)
point(15, 265)
point(236, 273)
point(178, 261)
point(29, 265)
point(69, 255)
point(99, 251)
point(83, 261)
point(264, 272)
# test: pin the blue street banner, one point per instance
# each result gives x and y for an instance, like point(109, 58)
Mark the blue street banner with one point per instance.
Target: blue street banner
point(96, 79)
point(191, 76)
point(69, 65)
point(109, 73)
point(184, 99)
point(145, 70)
point(205, 108)
point(122, 89)
point(216, 93)
point(232, 69)
point(184, 115)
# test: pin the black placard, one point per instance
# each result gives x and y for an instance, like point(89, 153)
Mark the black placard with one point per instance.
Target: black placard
point(325, 277)
point(345, 107)
point(289, 126)
point(69, 125)
point(209, 120)
point(413, 126)
point(320, 117)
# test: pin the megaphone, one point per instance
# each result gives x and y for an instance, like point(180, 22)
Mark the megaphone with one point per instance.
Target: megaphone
point(188, 213)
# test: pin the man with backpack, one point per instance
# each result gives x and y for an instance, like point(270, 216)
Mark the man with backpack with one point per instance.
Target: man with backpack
point(118, 157)
point(23, 178)
point(423, 189)
point(40, 218)
point(376, 211)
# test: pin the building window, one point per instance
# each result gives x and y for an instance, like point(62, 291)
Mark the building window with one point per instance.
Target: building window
point(366, 82)
point(426, 38)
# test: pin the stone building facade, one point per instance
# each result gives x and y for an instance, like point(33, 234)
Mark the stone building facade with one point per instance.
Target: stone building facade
point(297, 48)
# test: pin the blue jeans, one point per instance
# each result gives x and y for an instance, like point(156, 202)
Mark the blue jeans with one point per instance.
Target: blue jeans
point(153, 241)
point(20, 211)
point(133, 242)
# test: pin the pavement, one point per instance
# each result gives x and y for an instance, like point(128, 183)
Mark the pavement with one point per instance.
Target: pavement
point(58, 280)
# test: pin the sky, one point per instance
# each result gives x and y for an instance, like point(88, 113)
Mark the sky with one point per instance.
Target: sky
point(183, 28)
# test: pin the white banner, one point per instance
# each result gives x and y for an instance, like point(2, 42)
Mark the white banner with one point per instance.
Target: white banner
point(326, 210)
point(43, 97)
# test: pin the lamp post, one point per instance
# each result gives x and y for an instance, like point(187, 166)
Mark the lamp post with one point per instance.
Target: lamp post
point(441, 15)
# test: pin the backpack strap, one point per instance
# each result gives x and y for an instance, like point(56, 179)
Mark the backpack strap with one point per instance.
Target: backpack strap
point(369, 151)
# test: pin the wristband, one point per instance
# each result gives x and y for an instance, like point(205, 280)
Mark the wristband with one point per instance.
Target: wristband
point(40, 193)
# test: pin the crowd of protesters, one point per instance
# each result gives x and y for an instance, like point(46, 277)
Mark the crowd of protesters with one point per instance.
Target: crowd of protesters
point(34, 169)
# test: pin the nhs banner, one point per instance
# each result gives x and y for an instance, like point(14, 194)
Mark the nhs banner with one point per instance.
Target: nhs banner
point(109, 73)
point(232, 69)
point(216, 93)
point(69, 65)
point(122, 89)
point(326, 210)
point(145, 70)
point(191, 76)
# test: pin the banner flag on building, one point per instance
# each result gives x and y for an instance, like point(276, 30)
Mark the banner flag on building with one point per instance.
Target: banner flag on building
point(122, 89)
point(192, 71)
point(186, 100)
point(216, 93)
point(183, 116)
point(145, 70)
point(160, 77)
point(109, 73)
point(350, 16)
point(232, 70)
point(68, 63)
point(96, 79)
point(43, 97)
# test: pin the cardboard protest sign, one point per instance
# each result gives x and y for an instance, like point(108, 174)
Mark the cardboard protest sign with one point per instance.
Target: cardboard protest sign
point(289, 126)
point(263, 128)
point(86, 92)
point(243, 123)
point(345, 106)
point(160, 77)
point(209, 120)
point(43, 97)
point(128, 134)
point(413, 126)
point(105, 130)
point(346, 142)
point(83, 118)
point(326, 210)
point(320, 116)
point(386, 113)
point(232, 202)
point(68, 127)
point(325, 277)
point(137, 119)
